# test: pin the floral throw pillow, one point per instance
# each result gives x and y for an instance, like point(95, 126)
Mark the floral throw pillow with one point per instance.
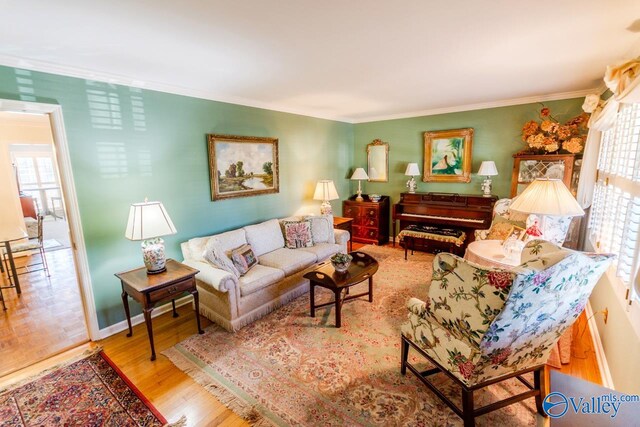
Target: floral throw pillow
point(297, 234)
point(243, 258)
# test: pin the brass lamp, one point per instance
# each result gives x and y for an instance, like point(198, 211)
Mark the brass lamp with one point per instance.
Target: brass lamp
point(359, 175)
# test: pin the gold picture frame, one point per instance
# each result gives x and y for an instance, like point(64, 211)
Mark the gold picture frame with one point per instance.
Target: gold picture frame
point(447, 155)
point(242, 166)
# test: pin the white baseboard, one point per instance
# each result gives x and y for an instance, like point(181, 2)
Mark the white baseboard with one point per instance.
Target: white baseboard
point(601, 358)
point(135, 320)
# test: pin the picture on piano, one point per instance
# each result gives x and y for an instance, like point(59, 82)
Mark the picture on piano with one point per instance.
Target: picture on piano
point(447, 155)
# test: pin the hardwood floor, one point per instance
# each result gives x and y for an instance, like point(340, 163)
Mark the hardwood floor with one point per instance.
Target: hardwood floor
point(175, 394)
point(46, 319)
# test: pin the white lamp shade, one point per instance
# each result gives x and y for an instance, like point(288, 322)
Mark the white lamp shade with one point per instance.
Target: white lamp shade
point(488, 168)
point(359, 174)
point(547, 197)
point(412, 170)
point(148, 220)
point(325, 190)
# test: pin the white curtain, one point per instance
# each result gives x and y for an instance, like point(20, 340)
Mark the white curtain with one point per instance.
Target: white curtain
point(624, 81)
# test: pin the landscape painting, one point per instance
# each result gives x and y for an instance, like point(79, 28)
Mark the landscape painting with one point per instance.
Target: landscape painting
point(447, 155)
point(241, 166)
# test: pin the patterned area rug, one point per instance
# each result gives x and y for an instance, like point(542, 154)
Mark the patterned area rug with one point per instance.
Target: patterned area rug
point(88, 392)
point(290, 369)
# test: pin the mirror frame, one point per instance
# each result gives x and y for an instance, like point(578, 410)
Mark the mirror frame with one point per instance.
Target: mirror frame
point(378, 143)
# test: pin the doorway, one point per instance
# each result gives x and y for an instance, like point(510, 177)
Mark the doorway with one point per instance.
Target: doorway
point(48, 316)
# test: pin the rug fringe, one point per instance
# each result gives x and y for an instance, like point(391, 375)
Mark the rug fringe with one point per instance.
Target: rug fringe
point(85, 354)
point(182, 422)
point(246, 411)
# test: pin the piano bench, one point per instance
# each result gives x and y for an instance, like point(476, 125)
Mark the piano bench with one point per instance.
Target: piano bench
point(432, 239)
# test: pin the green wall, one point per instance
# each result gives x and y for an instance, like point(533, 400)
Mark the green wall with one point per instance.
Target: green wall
point(127, 144)
point(496, 137)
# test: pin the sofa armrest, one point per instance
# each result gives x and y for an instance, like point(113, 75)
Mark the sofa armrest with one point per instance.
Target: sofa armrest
point(342, 236)
point(221, 280)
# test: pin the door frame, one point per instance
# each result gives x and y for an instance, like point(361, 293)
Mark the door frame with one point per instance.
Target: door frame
point(67, 186)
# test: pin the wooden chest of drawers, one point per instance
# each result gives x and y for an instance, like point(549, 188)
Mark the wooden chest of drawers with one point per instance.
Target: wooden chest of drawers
point(370, 219)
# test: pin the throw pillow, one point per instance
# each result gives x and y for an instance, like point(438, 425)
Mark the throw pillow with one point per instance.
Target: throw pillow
point(214, 255)
point(500, 231)
point(321, 228)
point(243, 258)
point(297, 234)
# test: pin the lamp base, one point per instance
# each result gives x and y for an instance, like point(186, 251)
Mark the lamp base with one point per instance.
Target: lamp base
point(325, 208)
point(486, 187)
point(154, 256)
point(412, 185)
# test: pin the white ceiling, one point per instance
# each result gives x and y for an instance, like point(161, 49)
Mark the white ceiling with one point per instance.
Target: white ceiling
point(347, 60)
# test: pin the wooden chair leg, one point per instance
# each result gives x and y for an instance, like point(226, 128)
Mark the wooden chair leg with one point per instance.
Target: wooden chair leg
point(404, 348)
point(541, 382)
point(467, 408)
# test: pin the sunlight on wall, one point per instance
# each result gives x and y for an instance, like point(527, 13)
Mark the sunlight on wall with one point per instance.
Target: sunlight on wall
point(137, 110)
point(112, 160)
point(25, 85)
point(104, 106)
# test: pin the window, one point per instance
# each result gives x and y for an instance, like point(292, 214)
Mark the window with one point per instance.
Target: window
point(615, 214)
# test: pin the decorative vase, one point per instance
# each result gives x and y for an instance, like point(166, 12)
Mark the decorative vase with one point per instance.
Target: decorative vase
point(512, 248)
point(154, 256)
point(341, 267)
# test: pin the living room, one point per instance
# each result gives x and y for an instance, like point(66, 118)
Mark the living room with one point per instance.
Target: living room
point(131, 107)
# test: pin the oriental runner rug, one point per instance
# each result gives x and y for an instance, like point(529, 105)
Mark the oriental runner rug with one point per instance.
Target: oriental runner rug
point(91, 391)
point(290, 369)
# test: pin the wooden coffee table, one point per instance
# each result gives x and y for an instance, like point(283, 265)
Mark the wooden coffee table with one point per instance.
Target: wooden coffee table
point(362, 267)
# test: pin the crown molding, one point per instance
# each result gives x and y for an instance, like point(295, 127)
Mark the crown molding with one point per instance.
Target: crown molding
point(481, 106)
point(52, 68)
point(116, 79)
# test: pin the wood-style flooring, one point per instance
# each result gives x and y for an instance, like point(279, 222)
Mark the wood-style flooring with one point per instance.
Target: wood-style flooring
point(46, 319)
point(175, 394)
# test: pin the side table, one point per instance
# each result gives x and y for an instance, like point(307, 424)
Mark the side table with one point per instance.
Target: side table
point(345, 224)
point(151, 289)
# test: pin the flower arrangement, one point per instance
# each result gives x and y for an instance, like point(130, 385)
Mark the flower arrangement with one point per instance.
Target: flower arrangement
point(341, 262)
point(550, 136)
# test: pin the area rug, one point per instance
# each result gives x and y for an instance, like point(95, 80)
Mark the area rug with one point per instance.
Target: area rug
point(290, 369)
point(87, 392)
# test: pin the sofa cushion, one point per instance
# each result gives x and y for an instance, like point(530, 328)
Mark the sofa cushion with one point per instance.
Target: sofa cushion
point(288, 260)
point(215, 256)
point(230, 240)
point(259, 277)
point(243, 259)
point(196, 248)
point(323, 251)
point(265, 237)
point(297, 234)
point(321, 228)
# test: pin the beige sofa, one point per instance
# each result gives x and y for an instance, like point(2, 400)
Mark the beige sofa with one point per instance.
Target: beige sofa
point(233, 302)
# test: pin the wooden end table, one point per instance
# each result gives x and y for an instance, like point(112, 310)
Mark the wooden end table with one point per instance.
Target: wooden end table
point(341, 223)
point(362, 267)
point(151, 289)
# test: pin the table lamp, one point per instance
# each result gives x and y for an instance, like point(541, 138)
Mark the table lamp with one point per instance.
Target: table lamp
point(149, 221)
point(325, 191)
point(487, 169)
point(412, 171)
point(359, 175)
point(546, 197)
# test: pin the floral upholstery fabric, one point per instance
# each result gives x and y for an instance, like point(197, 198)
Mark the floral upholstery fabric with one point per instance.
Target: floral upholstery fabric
point(484, 323)
point(502, 213)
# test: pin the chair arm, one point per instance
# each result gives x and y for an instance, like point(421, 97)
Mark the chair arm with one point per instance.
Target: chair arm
point(418, 307)
point(481, 234)
point(221, 280)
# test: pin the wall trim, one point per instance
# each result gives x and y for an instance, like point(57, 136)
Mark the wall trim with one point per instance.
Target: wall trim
point(601, 357)
point(136, 320)
point(67, 184)
point(49, 67)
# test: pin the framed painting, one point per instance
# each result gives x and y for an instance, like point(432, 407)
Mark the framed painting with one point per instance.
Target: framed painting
point(447, 155)
point(241, 166)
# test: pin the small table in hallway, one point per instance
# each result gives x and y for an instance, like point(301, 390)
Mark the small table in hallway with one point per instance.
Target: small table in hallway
point(150, 289)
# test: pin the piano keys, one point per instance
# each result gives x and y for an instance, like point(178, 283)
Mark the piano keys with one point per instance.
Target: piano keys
point(468, 212)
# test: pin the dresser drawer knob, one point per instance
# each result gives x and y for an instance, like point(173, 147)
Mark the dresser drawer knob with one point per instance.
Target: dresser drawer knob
point(173, 289)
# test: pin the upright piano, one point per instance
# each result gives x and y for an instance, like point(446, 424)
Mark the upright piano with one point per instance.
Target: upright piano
point(467, 212)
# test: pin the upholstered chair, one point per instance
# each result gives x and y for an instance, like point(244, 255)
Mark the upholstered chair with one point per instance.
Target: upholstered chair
point(480, 326)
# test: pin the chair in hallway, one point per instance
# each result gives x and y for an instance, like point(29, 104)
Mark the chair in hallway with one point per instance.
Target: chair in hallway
point(33, 244)
point(480, 326)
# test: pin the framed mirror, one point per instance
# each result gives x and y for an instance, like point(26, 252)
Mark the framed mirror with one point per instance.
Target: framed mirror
point(378, 161)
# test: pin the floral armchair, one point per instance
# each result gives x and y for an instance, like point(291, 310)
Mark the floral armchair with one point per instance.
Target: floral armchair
point(481, 325)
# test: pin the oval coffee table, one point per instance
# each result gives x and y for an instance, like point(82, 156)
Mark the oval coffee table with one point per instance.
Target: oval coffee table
point(362, 267)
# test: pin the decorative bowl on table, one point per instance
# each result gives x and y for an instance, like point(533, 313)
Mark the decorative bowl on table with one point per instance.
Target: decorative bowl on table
point(341, 262)
point(375, 197)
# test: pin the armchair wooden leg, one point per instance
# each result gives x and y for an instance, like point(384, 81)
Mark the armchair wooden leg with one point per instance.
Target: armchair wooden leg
point(404, 355)
point(541, 383)
point(467, 408)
